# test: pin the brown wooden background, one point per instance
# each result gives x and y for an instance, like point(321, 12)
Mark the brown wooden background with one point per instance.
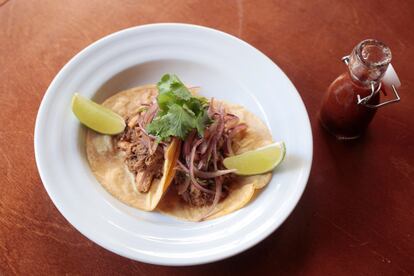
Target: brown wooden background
point(356, 215)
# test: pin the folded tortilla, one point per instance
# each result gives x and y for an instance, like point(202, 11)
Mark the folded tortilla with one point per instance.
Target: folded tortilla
point(241, 189)
point(107, 162)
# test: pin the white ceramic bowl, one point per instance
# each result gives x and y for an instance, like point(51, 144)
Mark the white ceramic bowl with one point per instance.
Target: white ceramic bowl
point(226, 68)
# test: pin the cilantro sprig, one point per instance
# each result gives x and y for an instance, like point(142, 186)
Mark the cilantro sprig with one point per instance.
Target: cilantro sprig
point(179, 111)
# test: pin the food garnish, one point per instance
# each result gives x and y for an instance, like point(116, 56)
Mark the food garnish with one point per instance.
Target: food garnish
point(179, 111)
point(97, 117)
point(257, 161)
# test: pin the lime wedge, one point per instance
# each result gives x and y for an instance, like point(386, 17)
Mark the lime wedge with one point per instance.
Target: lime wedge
point(257, 161)
point(97, 117)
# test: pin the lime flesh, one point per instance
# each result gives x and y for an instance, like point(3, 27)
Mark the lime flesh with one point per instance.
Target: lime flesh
point(257, 161)
point(97, 117)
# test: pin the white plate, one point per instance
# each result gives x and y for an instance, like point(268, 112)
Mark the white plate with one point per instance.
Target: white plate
point(226, 68)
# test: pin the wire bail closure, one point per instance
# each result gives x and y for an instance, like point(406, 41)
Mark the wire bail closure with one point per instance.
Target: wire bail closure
point(363, 101)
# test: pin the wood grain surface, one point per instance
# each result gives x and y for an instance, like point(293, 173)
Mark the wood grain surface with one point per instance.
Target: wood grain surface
point(356, 216)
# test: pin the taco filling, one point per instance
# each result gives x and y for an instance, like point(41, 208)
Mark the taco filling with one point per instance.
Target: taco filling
point(144, 156)
point(202, 179)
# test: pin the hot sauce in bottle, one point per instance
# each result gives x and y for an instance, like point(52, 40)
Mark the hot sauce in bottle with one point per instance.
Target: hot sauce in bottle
point(353, 98)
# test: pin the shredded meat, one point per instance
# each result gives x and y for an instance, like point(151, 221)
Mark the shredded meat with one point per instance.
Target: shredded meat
point(189, 193)
point(143, 156)
point(194, 196)
point(197, 197)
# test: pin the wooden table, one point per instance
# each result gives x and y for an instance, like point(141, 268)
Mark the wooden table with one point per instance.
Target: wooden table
point(356, 215)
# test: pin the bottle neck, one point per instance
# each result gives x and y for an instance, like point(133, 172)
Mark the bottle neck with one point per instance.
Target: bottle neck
point(368, 62)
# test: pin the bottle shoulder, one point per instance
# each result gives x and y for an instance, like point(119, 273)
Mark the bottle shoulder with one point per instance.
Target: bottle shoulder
point(345, 84)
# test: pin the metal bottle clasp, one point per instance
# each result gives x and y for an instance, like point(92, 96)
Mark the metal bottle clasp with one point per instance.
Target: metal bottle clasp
point(363, 101)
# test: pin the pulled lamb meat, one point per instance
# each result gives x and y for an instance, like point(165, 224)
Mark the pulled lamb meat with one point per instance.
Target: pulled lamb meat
point(202, 179)
point(144, 156)
point(194, 196)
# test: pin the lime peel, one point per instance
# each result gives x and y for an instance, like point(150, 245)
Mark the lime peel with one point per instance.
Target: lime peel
point(257, 161)
point(96, 116)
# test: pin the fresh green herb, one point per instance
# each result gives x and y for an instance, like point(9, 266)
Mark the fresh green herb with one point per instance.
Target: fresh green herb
point(179, 111)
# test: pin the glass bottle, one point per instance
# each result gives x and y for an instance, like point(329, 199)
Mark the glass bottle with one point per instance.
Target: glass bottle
point(352, 99)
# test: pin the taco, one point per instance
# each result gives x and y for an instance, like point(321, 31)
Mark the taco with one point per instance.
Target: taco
point(133, 166)
point(202, 187)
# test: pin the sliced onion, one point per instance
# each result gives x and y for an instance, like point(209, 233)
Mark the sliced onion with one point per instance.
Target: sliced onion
point(217, 196)
point(204, 146)
point(214, 174)
point(206, 156)
point(182, 167)
point(183, 187)
point(193, 179)
point(228, 146)
point(187, 146)
point(219, 134)
point(145, 132)
point(231, 120)
point(200, 164)
point(199, 187)
point(150, 114)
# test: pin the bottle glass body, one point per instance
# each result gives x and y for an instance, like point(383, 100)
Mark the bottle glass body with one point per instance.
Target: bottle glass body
point(347, 107)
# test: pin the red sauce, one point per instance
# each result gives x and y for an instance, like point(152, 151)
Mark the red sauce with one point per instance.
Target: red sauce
point(340, 114)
